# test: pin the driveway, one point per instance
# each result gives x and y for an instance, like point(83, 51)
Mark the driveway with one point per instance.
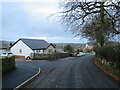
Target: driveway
point(22, 72)
point(72, 72)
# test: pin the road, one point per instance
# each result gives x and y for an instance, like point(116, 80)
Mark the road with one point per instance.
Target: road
point(72, 72)
point(15, 77)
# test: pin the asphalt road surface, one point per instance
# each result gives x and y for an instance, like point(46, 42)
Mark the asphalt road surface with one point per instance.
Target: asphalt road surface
point(72, 72)
point(15, 77)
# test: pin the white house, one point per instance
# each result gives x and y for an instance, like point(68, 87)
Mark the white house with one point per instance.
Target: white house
point(24, 47)
point(88, 46)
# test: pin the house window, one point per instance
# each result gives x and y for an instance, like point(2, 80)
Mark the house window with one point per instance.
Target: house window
point(20, 51)
point(39, 51)
point(50, 51)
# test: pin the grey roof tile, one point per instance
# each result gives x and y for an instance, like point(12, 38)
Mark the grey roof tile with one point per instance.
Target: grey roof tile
point(35, 43)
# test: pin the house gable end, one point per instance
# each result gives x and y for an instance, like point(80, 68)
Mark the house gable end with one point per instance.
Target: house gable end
point(18, 41)
point(22, 42)
point(20, 48)
point(51, 45)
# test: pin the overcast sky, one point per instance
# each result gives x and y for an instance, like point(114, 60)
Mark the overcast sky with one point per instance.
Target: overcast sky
point(32, 20)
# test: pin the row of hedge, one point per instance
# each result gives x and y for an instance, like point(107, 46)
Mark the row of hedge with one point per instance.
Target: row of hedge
point(109, 66)
point(110, 54)
point(49, 56)
point(8, 63)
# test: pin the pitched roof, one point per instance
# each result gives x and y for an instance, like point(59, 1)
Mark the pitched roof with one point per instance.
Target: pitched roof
point(34, 43)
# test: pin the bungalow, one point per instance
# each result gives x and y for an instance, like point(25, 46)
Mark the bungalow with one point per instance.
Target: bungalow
point(23, 47)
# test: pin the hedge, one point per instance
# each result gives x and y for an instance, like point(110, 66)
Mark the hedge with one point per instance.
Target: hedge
point(8, 63)
point(109, 53)
point(108, 65)
point(49, 56)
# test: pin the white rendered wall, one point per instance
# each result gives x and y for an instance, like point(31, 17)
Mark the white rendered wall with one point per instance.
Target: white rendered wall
point(24, 48)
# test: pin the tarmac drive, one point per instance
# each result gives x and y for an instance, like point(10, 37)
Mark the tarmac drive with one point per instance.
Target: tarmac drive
point(72, 72)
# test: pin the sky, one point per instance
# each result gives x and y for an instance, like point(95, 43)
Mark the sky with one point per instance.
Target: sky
point(32, 19)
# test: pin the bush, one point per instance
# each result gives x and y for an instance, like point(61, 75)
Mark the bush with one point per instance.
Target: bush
point(76, 52)
point(109, 66)
point(49, 56)
point(109, 53)
point(68, 48)
point(8, 63)
point(88, 50)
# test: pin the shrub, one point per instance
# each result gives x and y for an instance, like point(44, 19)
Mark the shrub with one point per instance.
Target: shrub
point(88, 50)
point(81, 50)
point(109, 53)
point(76, 51)
point(49, 56)
point(68, 48)
point(8, 63)
point(109, 66)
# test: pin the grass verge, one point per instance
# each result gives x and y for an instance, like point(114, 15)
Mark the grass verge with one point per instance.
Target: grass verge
point(108, 69)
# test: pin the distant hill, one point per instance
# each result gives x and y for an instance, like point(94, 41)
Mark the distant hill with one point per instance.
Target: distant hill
point(74, 45)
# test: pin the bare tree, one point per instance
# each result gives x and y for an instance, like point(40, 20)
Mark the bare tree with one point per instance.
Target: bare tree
point(79, 16)
point(92, 30)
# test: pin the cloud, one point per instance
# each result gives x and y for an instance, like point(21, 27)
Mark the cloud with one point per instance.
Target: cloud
point(57, 39)
point(45, 38)
point(25, 20)
point(41, 1)
point(76, 38)
point(0, 21)
point(41, 9)
point(55, 0)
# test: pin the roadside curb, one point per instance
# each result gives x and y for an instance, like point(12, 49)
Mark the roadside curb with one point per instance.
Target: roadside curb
point(28, 80)
point(108, 73)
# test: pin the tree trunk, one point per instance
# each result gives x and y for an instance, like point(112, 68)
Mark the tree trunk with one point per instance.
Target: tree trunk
point(102, 30)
